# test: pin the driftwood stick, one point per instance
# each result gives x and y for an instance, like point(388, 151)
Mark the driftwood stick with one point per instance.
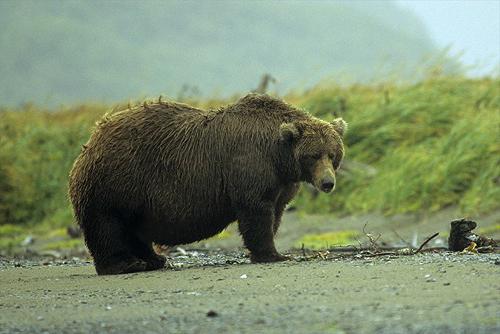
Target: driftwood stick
point(379, 254)
point(426, 242)
point(353, 249)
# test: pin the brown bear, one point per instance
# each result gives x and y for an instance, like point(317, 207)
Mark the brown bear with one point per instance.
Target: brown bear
point(172, 174)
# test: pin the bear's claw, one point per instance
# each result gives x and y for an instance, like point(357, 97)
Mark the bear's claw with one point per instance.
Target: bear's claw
point(155, 263)
point(122, 267)
point(268, 258)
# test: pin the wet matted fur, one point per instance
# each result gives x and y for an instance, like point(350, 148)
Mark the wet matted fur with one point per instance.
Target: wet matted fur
point(172, 174)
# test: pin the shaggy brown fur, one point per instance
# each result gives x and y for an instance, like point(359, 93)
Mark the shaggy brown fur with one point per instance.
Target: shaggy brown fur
point(172, 174)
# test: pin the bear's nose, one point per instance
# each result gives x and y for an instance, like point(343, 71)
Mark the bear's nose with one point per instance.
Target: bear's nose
point(327, 186)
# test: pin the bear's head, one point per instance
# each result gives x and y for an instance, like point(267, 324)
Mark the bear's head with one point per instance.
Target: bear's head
point(318, 149)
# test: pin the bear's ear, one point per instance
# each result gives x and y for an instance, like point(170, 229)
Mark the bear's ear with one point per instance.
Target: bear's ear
point(340, 126)
point(289, 132)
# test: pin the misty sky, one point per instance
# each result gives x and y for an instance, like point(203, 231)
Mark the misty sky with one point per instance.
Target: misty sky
point(471, 26)
point(70, 51)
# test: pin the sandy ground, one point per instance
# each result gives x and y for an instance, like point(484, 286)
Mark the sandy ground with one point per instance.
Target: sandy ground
point(424, 293)
point(212, 288)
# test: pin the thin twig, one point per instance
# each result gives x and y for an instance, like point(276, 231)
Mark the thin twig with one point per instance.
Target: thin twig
point(426, 241)
point(359, 242)
point(379, 254)
point(372, 240)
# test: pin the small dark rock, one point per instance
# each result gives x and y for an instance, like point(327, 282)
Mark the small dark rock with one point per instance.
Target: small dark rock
point(212, 314)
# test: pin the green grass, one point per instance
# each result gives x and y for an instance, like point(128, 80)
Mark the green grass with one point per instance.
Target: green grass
point(9, 230)
point(327, 240)
point(223, 235)
point(37, 149)
point(433, 144)
point(489, 230)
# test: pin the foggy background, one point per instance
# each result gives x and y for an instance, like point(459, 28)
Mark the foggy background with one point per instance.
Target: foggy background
point(61, 52)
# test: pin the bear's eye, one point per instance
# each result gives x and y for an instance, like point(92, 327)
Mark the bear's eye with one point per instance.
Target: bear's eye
point(331, 156)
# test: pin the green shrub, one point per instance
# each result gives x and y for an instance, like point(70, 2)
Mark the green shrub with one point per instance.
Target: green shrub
point(432, 144)
point(37, 149)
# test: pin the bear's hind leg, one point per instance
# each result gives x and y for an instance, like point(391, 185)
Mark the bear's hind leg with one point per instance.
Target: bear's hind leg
point(145, 252)
point(108, 243)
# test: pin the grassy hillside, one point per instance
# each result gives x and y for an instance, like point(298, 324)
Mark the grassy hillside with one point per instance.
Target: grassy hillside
point(65, 51)
point(432, 145)
point(428, 146)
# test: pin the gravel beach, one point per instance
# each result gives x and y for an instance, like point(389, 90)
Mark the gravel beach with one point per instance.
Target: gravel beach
point(219, 291)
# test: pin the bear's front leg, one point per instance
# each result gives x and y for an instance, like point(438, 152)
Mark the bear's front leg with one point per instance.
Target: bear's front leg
point(256, 228)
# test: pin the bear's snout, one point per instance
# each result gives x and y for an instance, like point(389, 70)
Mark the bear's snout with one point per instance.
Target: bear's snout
point(327, 185)
point(324, 175)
